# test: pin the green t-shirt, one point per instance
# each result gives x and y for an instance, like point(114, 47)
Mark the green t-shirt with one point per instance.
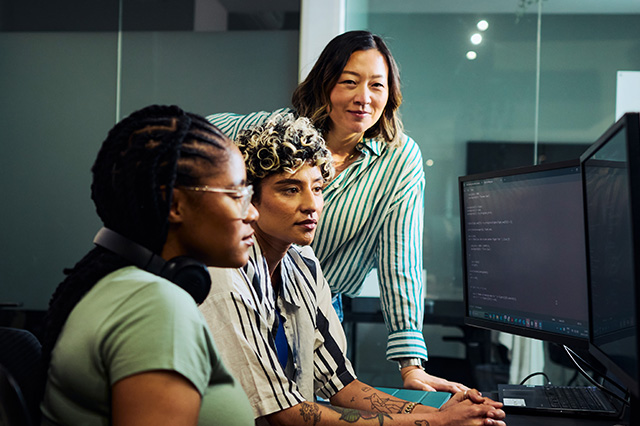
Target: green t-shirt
point(130, 322)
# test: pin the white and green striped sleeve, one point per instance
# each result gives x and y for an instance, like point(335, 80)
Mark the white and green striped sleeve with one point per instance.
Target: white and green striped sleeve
point(231, 124)
point(400, 259)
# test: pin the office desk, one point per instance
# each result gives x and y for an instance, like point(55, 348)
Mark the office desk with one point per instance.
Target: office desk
point(448, 313)
point(522, 420)
point(367, 309)
point(546, 420)
point(476, 341)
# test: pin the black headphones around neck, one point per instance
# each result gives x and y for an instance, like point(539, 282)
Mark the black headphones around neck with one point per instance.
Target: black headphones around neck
point(187, 273)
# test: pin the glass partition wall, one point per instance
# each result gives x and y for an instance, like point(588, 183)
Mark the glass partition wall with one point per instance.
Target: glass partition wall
point(496, 87)
point(497, 84)
point(70, 69)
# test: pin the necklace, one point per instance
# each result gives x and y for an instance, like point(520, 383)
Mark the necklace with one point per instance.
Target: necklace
point(347, 160)
point(339, 166)
point(356, 150)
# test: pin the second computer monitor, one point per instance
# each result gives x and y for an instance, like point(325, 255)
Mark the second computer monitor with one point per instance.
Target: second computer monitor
point(611, 172)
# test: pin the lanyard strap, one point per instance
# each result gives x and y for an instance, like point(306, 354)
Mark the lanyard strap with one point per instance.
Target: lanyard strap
point(282, 346)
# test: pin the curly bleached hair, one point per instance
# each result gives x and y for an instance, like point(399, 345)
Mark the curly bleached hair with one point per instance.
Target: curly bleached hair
point(283, 143)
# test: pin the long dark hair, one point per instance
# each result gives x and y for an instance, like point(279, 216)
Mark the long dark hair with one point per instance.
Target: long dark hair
point(312, 97)
point(143, 157)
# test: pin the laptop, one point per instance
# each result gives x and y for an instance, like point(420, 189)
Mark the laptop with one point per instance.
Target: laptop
point(556, 400)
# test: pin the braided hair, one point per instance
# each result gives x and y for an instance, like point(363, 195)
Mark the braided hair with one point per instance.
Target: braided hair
point(142, 159)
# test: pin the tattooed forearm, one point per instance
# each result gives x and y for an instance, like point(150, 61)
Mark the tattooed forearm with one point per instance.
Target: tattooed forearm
point(310, 412)
point(351, 415)
point(386, 405)
point(422, 423)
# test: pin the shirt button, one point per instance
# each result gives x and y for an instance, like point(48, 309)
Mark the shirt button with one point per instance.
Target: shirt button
point(336, 185)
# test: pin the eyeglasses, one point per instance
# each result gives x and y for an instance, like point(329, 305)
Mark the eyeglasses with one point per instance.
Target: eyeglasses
point(241, 195)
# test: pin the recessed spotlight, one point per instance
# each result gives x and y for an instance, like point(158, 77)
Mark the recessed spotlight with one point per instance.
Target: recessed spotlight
point(429, 162)
point(471, 55)
point(483, 25)
point(476, 39)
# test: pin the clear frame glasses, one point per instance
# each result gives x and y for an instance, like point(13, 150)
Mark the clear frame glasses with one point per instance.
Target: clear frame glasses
point(242, 195)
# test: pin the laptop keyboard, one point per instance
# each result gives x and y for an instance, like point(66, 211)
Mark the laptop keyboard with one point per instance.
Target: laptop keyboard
point(574, 397)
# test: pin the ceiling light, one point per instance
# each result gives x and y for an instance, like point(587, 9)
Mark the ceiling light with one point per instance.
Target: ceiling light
point(471, 55)
point(476, 39)
point(483, 25)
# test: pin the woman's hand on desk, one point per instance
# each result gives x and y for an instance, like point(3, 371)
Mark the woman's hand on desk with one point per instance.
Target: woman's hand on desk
point(473, 406)
point(474, 396)
point(467, 413)
point(414, 377)
point(466, 405)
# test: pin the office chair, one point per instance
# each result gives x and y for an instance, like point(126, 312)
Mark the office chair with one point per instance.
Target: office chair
point(22, 378)
point(13, 407)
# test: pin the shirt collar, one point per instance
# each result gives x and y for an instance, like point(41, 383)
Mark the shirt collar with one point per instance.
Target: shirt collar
point(372, 146)
point(288, 270)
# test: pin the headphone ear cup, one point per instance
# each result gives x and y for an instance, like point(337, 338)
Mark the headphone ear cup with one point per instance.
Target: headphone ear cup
point(189, 274)
point(184, 271)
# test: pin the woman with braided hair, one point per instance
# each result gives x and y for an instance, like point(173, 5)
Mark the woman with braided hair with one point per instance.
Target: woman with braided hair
point(124, 345)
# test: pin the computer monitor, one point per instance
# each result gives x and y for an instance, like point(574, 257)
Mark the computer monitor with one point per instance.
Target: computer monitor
point(523, 252)
point(611, 176)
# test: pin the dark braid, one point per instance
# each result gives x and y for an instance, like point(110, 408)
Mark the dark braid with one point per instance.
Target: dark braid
point(142, 159)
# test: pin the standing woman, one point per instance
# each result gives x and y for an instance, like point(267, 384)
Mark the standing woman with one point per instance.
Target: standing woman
point(123, 344)
point(373, 208)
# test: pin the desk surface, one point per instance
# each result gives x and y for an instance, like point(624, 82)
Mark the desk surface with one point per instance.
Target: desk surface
point(548, 420)
point(523, 420)
point(367, 309)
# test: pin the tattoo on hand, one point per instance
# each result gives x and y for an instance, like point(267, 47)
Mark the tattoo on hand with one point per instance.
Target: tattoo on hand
point(386, 405)
point(366, 389)
point(422, 423)
point(310, 412)
point(351, 415)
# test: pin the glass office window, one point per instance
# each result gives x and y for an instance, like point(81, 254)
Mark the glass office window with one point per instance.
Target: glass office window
point(69, 69)
point(490, 85)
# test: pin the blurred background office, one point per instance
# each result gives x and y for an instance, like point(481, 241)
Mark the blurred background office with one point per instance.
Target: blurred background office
point(487, 84)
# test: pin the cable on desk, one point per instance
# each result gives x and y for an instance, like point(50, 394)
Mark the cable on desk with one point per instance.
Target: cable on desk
point(571, 354)
point(540, 373)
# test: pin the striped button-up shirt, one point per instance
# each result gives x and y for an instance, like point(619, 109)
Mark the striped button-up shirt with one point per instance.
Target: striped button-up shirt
point(241, 312)
point(372, 218)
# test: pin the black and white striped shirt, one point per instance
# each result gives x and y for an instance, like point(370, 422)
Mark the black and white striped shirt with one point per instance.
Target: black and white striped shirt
point(241, 313)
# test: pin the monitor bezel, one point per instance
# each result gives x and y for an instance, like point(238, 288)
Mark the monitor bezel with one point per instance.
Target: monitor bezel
point(574, 342)
point(630, 124)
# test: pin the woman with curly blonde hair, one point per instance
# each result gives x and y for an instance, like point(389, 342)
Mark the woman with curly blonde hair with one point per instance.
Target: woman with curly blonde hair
point(283, 144)
point(273, 319)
